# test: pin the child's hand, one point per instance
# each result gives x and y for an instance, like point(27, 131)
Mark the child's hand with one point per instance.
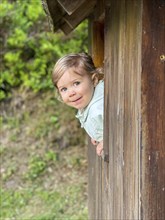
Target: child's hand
point(99, 148)
point(94, 142)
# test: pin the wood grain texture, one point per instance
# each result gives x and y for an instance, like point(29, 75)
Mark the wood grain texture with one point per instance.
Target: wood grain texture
point(153, 111)
point(131, 185)
point(122, 106)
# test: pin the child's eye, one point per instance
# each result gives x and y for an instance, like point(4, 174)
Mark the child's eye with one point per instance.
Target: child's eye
point(76, 83)
point(63, 89)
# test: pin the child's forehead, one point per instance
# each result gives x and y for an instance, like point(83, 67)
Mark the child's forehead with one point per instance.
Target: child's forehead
point(71, 75)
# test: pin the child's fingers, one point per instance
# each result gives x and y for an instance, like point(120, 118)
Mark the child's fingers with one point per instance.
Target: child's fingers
point(99, 150)
point(94, 142)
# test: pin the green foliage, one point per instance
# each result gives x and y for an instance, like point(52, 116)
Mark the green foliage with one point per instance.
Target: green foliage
point(12, 122)
point(51, 156)
point(38, 164)
point(12, 201)
point(9, 172)
point(2, 150)
point(48, 205)
point(29, 50)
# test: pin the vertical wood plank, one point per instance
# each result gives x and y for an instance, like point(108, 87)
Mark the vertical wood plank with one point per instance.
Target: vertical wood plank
point(98, 43)
point(95, 163)
point(91, 181)
point(91, 155)
point(153, 111)
point(122, 97)
point(136, 144)
point(132, 109)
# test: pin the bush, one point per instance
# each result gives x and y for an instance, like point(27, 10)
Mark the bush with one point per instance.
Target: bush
point(29, 50)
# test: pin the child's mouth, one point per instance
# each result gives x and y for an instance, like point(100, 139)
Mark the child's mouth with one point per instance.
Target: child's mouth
point(77, 100)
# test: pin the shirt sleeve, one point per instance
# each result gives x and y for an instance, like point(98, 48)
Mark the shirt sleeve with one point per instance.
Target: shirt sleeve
point(97, 127)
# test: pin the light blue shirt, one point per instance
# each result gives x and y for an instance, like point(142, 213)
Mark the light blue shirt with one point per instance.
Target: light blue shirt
point(91, 118)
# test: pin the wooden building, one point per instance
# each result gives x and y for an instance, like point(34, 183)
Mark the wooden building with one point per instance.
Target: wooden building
point(128, 36)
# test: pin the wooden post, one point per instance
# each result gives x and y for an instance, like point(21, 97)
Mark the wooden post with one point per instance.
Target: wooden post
point(153, 111)
point(98, 43)
point(94, 162)
point(132, 185)
point(122, 106)
point(135, 109)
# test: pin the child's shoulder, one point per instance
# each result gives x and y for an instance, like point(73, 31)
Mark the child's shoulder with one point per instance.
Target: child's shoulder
point(99, 88)
point(96, 107)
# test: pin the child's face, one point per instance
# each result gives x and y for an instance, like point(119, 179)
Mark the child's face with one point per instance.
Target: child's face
point(76, 90)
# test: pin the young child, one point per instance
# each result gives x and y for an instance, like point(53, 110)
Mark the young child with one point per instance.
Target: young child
point(78, 84)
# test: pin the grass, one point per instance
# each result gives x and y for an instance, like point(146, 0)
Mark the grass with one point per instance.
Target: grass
point(43, 162)
point(38, 204)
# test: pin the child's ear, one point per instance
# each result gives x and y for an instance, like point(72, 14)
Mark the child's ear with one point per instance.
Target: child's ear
point(95, 79)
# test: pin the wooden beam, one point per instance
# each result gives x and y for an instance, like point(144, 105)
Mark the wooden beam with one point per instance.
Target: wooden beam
point(71, 6)
point(71, 21)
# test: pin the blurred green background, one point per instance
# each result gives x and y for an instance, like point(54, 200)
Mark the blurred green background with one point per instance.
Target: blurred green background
point(42, 147)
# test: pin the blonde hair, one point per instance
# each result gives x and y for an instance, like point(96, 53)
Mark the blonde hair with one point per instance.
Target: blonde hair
point(82, 60)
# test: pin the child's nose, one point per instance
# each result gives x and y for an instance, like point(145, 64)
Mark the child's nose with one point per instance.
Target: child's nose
point(72, 92)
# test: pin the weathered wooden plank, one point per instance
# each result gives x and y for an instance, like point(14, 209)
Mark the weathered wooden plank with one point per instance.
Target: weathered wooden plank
point(153, 111)
point(55, 12)
point(71, 6)
point(132, 105)
point(95, 164)
point(71, 21)
point(98, 43)
point(92, 176)
point(66, 15)
point(133, 182)
point(122, 97)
